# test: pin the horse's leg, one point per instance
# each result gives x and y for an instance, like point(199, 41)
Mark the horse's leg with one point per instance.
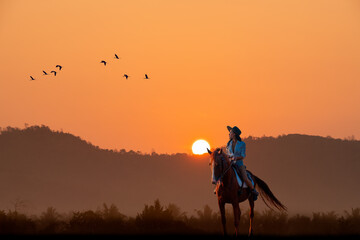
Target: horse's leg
point(251, 213)
point(223, 218)
point(237, 213)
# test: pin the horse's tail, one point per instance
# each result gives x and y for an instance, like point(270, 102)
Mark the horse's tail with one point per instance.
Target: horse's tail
point(266, 194)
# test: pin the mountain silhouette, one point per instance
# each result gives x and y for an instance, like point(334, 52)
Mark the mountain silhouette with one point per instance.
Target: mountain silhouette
point(46, 168)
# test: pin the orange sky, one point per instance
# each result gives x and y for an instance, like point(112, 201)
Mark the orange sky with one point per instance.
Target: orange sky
point(269, 67)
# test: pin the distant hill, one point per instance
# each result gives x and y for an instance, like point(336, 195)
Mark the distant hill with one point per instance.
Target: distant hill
point(42, 168)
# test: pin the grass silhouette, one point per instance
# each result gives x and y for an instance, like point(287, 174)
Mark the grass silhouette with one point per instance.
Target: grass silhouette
point(157, 219)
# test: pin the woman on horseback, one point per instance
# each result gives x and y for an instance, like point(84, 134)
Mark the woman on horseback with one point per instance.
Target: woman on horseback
point(236, 150)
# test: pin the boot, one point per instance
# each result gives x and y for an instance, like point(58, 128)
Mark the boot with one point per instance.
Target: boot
point(255, 194)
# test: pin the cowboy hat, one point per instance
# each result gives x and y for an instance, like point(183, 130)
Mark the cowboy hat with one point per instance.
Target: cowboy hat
point(235, 130)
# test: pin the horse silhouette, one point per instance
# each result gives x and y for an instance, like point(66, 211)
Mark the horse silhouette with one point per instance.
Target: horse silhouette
point(227, 190)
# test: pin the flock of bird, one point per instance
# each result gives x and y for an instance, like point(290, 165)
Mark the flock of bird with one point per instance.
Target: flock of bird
point(45, 73)
point(103, 62)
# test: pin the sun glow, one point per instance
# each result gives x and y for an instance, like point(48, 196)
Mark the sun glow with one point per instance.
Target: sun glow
point(199, 147)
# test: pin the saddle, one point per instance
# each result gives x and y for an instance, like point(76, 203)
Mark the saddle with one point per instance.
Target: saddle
point(241, 182)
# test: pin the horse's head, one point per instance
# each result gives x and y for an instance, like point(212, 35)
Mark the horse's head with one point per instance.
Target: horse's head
point(218, 162)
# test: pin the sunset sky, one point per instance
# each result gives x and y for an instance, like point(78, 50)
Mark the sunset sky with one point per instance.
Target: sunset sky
point(269, 67)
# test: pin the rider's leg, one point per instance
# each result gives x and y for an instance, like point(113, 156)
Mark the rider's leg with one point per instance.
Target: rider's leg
point(238, 172)
point(247, 181)
point(245, 178)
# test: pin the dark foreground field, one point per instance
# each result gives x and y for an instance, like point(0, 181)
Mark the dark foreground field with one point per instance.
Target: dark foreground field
point(181, 236)
point(169, 222)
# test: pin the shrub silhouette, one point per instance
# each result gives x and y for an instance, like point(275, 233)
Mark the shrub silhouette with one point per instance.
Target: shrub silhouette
point(325, 222)
point(206, 220)
point(154, 217)
point(264, 224)
point(16, 223)
point(350, 224)
point(87, 222)
point(159, 219)
point(176, 212)
point(299, 224)
point(113, 220)
point(50, 222)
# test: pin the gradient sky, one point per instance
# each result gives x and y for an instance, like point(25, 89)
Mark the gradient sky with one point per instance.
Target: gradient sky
point(269, 67)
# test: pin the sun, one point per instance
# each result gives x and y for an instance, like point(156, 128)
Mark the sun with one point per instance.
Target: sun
point(199, 147)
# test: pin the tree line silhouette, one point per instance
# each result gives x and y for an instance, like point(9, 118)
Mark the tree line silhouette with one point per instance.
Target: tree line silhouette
point(160, 219)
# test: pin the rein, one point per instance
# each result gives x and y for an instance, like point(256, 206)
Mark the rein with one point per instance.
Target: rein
point(223, 174)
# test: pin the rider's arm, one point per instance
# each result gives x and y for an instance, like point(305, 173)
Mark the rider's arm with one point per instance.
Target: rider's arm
point(239, 153)
point(238, 158)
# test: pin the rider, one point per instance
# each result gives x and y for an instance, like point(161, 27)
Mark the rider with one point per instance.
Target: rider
point(236, 150)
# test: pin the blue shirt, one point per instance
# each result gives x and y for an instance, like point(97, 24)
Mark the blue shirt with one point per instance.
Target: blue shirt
point(239, 151)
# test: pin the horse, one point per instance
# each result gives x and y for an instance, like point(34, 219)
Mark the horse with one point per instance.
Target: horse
point(227, 190)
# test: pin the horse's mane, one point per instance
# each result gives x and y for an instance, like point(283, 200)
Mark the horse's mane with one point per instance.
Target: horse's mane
point(223, 152)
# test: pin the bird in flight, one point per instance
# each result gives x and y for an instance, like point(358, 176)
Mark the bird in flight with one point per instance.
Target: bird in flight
point(146, 76)
point(45, 73)
point(60, 67)
point(32, 79)
point(116, 56)
point(126, 76)
point(103, 62)
point(53, 72)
